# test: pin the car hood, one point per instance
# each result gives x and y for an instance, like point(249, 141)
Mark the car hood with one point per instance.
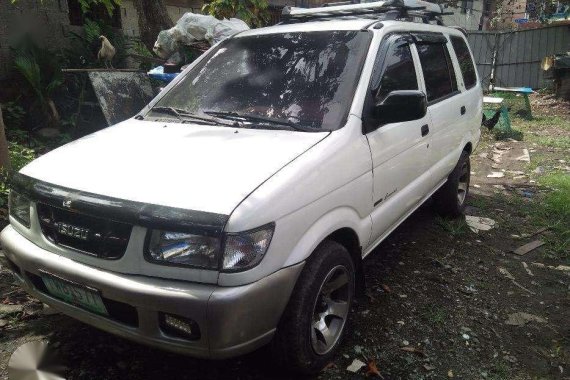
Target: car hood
point(189, 166)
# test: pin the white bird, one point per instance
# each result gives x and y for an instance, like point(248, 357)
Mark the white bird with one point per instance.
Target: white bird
point(107, 52)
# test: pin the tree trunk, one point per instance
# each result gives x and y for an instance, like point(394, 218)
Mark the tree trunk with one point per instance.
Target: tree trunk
point(4, 156)
point(152, 18)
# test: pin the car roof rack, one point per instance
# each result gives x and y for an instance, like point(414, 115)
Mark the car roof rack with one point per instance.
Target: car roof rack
point(409, 10)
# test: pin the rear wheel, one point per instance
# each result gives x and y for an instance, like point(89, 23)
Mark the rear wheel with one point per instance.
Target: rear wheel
point(449, 200)
point(314, 322)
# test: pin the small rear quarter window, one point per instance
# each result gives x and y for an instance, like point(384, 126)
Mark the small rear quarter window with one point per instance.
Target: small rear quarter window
point(465, 61)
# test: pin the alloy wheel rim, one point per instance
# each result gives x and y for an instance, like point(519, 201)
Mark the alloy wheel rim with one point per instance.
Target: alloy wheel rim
point(330, 310)
point(463, 186)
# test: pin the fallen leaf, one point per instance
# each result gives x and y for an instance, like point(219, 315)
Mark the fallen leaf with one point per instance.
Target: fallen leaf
point(330, 365)
point(386, 288)
point(506, 273)
point(373, 369)
point(450, 373)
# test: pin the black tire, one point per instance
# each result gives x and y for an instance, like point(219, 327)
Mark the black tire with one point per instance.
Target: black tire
point(450, 199)
point(293, 346)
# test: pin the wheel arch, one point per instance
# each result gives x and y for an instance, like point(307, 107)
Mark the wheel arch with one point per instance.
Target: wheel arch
point(348, 238)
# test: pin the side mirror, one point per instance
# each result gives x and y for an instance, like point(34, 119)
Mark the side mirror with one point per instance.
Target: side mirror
point(401, 105)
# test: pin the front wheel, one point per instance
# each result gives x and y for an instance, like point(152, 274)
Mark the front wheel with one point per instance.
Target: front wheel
point(314, 322)
point(449, 200)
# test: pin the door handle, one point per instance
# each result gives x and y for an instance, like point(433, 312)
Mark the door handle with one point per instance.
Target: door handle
point(425, 129)
point(463, 110)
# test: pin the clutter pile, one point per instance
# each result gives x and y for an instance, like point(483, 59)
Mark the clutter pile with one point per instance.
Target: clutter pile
point(191, 36)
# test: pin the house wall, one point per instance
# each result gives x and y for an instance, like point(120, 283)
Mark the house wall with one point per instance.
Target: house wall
point(46, 21)
point(175, 9)
point(468, 17)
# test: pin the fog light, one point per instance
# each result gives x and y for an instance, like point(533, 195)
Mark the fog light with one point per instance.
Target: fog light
point(179, 326)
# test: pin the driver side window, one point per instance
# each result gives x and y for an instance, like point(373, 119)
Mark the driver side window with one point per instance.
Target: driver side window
point(399, 72)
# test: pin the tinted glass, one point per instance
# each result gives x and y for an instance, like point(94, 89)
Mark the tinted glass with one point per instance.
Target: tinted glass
point(307, 78)
point(399, 73)
point(438, 71)
point(465, 62)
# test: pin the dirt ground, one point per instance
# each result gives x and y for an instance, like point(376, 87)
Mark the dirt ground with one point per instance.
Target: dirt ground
point(441, 302)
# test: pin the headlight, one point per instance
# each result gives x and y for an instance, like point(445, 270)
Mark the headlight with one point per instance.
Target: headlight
point(180, 248)
point(19, 207)
point(246, 249)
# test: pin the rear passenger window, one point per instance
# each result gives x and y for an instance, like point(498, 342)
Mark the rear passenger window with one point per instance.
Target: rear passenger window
point(399, 73)
point(438, 71)
point(465, 62)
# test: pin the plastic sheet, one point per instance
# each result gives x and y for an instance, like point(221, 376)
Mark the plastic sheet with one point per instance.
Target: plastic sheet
point(194, 27)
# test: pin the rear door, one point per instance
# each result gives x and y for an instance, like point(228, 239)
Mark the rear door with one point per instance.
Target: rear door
point(399, 150)
point(445, 105)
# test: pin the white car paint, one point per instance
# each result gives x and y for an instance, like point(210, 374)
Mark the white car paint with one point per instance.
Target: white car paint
point(189, 166)
point(309, 184)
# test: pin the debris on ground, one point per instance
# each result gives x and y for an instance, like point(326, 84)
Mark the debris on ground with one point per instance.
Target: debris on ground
point(10, 309)
point(413, 350)
point(559, 267)
point(496, 175)
point(525, 266)
point(525, 157)
point(506, 273)
point(477, 223)
point(48, 310)
point(372, 369)
point(524, 249)
point(521, 319)
point(355, 366)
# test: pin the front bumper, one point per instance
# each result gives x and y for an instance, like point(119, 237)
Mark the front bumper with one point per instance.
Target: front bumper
point(232, 320)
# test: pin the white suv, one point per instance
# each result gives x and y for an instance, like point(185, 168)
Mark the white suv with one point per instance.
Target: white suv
point(235, 210)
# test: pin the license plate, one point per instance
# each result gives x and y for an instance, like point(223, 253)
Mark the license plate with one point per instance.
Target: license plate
point(75, 294)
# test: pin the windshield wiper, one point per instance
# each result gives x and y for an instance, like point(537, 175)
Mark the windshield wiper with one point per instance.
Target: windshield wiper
point(283, 122)
point(184, 115)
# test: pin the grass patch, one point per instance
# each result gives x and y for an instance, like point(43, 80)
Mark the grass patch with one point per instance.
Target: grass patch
point(435, 315)
point(500, 371)
point(455, 227)
point(560, 142)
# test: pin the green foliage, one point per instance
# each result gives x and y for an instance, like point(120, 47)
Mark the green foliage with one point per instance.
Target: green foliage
point(19, 156)
point(13, 115)
point(39, 66)
point(85, 45)
point(455, 227)
point(108, 4)
point(86, 4)
point(139, 48)
point(254, 12)
point(41, 70)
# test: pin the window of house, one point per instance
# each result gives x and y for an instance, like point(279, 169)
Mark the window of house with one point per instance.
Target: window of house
point(438, 71)
point(399, 73)
point(465, 61)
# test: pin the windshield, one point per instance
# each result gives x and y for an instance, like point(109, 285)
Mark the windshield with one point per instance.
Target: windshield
point(306, 79)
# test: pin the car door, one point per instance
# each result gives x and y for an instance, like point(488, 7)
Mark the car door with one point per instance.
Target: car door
point(398, 150)
point(445, 105)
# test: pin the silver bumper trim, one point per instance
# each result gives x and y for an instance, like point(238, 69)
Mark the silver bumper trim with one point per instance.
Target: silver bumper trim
point(232, 320)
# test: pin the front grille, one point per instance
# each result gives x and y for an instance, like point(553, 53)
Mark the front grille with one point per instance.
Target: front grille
point(91, 235)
